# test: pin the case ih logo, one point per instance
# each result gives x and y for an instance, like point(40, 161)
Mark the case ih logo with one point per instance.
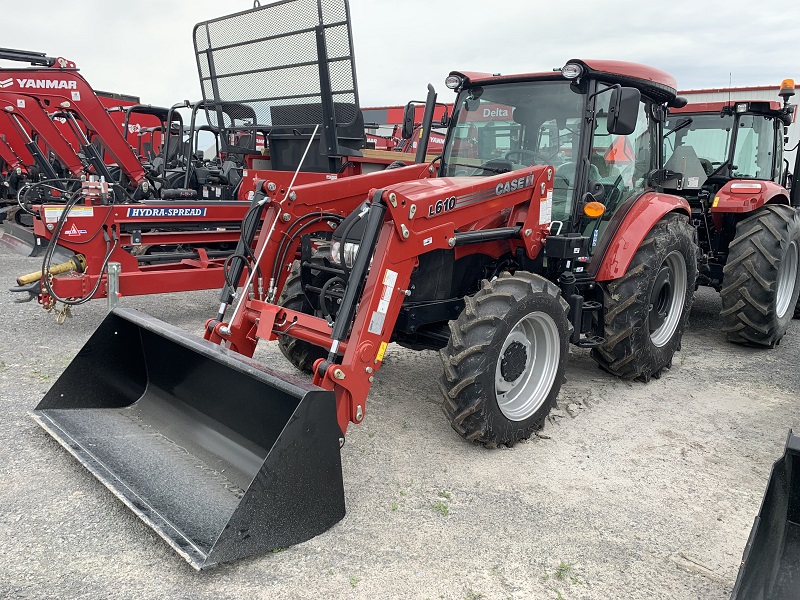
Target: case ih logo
point(42, 84)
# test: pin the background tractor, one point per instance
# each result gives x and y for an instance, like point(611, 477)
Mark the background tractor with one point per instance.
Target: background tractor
point(726, 159)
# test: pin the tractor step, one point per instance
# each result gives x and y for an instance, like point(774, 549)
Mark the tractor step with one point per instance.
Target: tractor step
point(221, 456)
point(590, 342)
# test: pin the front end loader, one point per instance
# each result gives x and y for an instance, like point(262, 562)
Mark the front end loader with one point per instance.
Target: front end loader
point(769, 569)
point(542, 226)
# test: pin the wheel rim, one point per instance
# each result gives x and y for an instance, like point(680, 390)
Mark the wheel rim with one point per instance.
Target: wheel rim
point(787, 276)
point(527, 366)
point(667, 299)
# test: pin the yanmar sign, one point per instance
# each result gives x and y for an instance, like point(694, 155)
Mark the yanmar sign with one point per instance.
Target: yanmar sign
point(41, 84)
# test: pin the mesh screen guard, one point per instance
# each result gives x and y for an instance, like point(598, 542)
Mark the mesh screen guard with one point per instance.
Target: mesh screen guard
point(290, 61)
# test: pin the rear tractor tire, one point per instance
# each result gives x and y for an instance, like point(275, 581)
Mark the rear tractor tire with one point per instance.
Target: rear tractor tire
point(646, 310)
point(504, 363)
point(300, 353)
point(762, 277)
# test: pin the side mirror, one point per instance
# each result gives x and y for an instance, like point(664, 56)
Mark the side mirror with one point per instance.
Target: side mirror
point(408, 122)
point(623, 110)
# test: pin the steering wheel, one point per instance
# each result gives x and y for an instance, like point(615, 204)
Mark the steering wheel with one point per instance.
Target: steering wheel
point(536, 157)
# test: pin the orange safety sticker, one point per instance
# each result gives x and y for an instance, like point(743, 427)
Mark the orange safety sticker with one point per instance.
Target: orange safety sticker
point(716, 201)
point(381, 351)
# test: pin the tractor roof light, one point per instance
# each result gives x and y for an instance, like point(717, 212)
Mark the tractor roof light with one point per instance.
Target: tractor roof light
point(572, 71)
point(594, 210)
point(741, 107)
point(787, 88)
point(453, 82)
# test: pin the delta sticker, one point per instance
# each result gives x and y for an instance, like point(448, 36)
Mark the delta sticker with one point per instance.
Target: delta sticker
point(165, 213)
point(73, 231)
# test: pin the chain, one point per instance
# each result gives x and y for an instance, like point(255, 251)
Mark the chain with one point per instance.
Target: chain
point(63, 313)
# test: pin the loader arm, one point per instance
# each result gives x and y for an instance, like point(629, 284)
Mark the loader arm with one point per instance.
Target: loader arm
point(65, 88)
point(30, 111)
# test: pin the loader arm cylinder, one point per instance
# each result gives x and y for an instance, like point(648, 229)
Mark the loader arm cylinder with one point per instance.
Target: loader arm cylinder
point(358, 273)
point(250, 224)
point(38, 158)
point(89, 151)
point(425, 128)
point(34, 58)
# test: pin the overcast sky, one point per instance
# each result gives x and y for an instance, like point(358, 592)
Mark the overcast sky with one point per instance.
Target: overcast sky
point(144, 47)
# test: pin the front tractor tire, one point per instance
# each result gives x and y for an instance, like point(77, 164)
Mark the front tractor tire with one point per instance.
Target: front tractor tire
point(504, 363)
point(300, 353)
point(646, 310)
point(762, 277)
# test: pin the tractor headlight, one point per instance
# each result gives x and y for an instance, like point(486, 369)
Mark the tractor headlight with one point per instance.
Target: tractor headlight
point(350, 251)
point(453, 82)
point(572, 71)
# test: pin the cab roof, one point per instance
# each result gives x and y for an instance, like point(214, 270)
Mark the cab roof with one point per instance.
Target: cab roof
point(654, 82)
point(716, 107)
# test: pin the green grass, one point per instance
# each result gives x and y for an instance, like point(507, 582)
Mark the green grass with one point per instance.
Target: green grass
point(445, 494)
point(395, 506)
point(354, 581)
point(441, 508)
point(563, 570)
point(39, 375)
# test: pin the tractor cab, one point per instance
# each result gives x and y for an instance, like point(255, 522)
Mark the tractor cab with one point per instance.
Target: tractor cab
point(726, 159)
point(595, 122)
point(712, 143)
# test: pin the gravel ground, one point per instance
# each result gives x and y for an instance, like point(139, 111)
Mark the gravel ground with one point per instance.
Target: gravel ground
point(632, 491)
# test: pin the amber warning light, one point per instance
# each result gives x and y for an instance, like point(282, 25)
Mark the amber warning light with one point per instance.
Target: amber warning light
point(787, 88)
point(593, 210)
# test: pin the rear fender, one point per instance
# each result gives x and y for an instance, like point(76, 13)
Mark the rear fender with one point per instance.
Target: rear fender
point(623, 236)
point(739, 196)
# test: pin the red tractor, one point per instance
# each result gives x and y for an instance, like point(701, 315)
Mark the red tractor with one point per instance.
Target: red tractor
point(726, 159)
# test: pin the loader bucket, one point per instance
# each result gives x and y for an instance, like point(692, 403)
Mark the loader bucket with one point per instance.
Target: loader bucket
point(221, 456)
point(770, 567)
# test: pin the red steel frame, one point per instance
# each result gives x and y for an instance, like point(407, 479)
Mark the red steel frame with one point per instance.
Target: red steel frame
point(81, 234)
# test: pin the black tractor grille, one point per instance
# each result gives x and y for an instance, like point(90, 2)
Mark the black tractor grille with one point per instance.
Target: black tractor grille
point(277, 59)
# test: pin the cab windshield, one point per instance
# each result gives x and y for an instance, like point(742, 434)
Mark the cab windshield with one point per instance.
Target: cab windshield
point(505, 127)
point(708, 134)
point(710, 137)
